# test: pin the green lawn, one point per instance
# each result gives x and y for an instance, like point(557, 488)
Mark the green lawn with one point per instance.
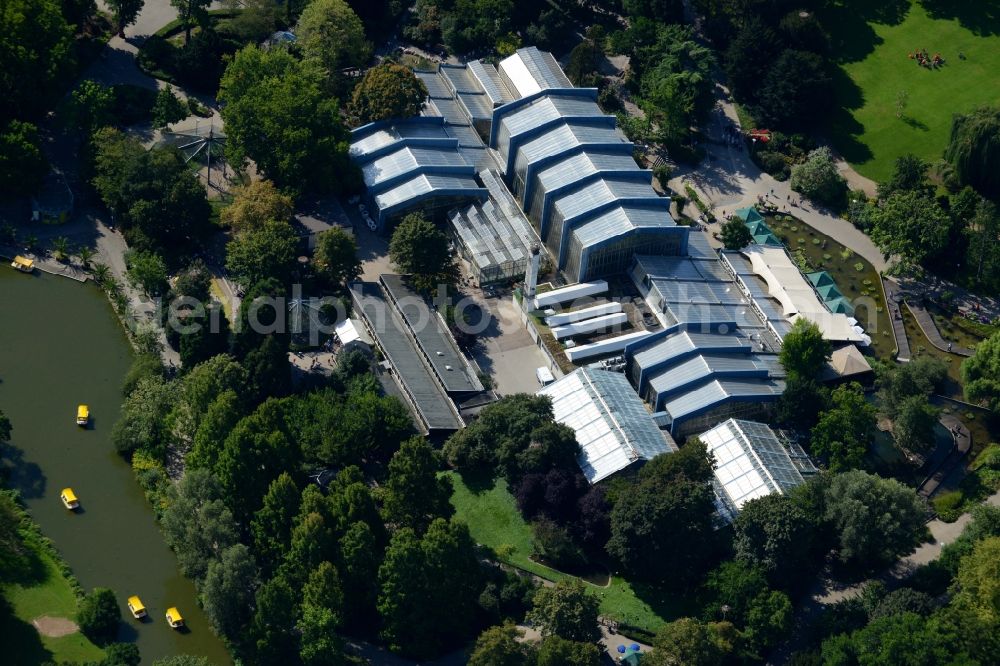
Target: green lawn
point(52, 596)
point(873, 40)
point(494, 521)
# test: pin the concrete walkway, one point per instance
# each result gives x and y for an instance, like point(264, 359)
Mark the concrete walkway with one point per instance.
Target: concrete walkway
point(728, 179)
point(892, 297)
point(927, 324)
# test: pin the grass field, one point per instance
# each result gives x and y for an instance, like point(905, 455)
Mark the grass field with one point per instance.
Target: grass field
point(495, 522)
point(51, 595)
point(873, 40)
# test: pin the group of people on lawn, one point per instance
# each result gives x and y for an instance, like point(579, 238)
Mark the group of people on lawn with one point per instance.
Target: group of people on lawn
point(925, 60)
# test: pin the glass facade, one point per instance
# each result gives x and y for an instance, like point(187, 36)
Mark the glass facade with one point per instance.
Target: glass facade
point(612, 426)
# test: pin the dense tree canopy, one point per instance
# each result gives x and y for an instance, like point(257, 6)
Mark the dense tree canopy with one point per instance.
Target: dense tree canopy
point(35, 54)
point(500, 646)
point(428, 587)
point(913, 427)
point(228, 590)
point(98, 615)
point(911, 226)
point(414, 494)
point(876, 519)
point(677, 91)
point(981, 373)
point(330, 33)
point(142, 424)
point(773, 533)
point(566, 610)
point(846, 430)
point(420, 249)
point(735, 234)
point(804, 351)
point(818, 178)
point(197, 524)
point(22, 165)
point(159, 204)
point(974, 149)
point(672, 504)
point(336, 257)
point(795, 91)
point(277, 115)
point(686, 641)
point(267, 252)
point(387, 91)
point(256, 203)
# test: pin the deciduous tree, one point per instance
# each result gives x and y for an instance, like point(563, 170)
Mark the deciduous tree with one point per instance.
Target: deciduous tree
point(818, 178)
point(228, 591)
point(844, 433)
point(336, 257)
point(876, 519)
point(566, 610)
point(414, 493)
point(265, 253)
point(387, 91)
point(501, 646)
point(271, 527)
point(98, 615)
point(974, 149)
point(277, 114)
point(913, 427)
point(804, 352)
point(910, 225)
point(735, 234)
point(36, 51)
point(197, 524)
point(125, 13)
point(22, 164)
point(420, 249)
point(685, 641)
point(330, 33)
point(981, 373)
point(773, 533)
point(256, 203)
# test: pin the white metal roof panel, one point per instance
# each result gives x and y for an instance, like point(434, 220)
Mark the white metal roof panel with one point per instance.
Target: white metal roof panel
point(611, 424)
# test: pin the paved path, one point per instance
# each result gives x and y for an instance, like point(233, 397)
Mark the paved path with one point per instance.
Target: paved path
point(962, 445)
point(927, 324)
point(892, 297)
point(728, 179)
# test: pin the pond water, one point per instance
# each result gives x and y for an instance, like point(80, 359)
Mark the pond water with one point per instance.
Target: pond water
point(61, 345)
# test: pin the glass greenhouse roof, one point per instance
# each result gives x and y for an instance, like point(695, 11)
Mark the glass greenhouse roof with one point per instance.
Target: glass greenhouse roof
point(751, 462)
point(611, 423)
point(719, 391)
point(582, 165)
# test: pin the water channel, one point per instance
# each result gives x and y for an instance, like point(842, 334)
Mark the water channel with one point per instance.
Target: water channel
point(61, 345)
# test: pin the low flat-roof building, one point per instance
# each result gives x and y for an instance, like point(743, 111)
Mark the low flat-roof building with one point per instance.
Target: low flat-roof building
point(612, 426)
point(751, 461)
point(415, 373)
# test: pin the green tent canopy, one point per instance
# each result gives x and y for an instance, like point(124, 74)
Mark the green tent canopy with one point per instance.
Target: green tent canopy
point(766, 238)
point(820, 278)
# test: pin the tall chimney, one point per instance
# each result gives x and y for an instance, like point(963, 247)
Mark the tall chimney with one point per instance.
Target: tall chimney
point(531, 276)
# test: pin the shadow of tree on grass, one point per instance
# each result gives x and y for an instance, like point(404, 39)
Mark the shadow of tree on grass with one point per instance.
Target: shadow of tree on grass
point(981, 18)
point(20, 640)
